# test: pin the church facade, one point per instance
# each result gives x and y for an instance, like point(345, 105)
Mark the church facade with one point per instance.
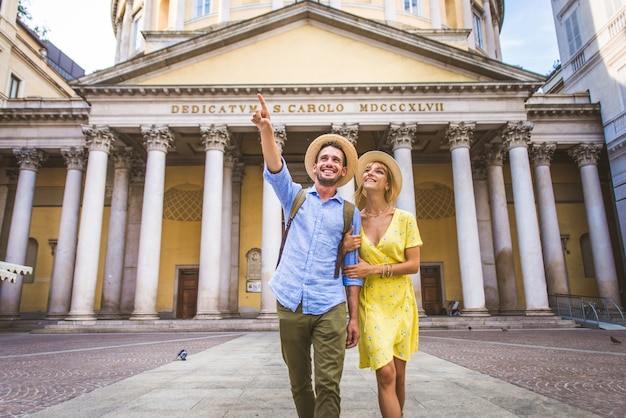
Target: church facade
point(142, 196)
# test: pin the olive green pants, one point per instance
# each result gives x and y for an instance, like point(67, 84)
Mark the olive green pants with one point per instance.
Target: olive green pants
point(326, 333)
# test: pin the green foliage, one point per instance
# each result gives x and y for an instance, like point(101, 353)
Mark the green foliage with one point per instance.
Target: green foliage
point(24, 15)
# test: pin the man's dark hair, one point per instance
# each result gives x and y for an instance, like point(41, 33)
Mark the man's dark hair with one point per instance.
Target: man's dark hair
point(334, 144)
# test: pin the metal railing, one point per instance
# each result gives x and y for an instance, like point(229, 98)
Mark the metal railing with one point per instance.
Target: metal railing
point(587, 310)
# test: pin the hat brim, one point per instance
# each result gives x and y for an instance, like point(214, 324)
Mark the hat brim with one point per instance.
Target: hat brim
point(380, 156)
point(348, 149)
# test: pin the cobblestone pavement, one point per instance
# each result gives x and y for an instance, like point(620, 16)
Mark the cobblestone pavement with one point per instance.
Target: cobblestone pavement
point(579, 367)
point(41, 370)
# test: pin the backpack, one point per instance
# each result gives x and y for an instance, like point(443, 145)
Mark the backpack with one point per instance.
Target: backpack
point(348, 213)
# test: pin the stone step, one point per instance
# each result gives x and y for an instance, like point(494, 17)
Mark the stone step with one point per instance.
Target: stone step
point(267, 324)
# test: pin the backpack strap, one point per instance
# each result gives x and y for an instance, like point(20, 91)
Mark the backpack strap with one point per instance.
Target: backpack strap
point(297, 202)
point(348, 214)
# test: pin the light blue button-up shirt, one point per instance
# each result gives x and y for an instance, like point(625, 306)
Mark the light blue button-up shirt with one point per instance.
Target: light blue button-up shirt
point(307, 266)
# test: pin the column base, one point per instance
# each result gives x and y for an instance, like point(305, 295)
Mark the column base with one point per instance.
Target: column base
point(539, 312)
point(475, 312)
point(209, 315)
point(267, 315)
point(81, 316)
point(421, 313)
point(144, 317)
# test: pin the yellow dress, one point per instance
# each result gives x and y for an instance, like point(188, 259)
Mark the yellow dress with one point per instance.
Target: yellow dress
point(388, 316)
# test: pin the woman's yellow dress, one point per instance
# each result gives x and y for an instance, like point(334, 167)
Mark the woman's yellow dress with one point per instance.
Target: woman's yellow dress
point(388, 316)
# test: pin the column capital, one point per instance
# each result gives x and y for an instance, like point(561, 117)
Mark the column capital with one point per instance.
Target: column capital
point(215, 137)
point(99, 138)
point(239, 171)
point(231, 156)
point(586, 154)
point(29, 158)
point(493, 154)
point(75, 158)
point(349, 131)
point(280, 136)
point(479, 170)
point(138, 170)
point(516, 134)
point(401, 135)
point(459, 134)
point(122, 158)
point(157, 138)
point(541, 154)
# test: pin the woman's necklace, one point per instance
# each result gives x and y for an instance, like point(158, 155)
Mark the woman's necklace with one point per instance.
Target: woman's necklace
point(374, 214)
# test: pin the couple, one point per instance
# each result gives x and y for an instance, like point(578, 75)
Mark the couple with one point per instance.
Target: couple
point(311, 301)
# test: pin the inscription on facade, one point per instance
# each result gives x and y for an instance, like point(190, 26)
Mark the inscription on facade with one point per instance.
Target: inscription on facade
point(382, 107)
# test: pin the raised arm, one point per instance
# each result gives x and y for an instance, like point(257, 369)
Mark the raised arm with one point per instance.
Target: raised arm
point(271, 152)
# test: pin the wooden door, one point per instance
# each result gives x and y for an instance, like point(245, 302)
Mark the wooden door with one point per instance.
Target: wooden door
point(431, 290)
point(186, 304)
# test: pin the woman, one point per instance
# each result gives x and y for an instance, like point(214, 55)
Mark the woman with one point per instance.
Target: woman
point(389, 252)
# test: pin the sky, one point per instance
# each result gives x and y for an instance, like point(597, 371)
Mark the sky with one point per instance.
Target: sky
point(527, 38)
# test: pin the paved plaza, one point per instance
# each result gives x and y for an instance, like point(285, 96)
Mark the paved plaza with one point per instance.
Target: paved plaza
point(463, 373)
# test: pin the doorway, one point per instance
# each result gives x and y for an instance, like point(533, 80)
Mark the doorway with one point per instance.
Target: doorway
point(187, 299)
point(432, 301)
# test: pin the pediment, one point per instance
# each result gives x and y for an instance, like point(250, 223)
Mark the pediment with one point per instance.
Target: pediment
point(307, 43)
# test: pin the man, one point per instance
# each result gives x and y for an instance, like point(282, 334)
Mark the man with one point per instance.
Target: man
point(311, 302)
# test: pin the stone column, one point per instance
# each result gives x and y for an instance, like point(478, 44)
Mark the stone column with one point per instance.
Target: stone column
point(435, 14)
point(215, 139)
point(586, 156)
point(351, 133)
point(489, 34)
point(271, 236)
point(459, 137)
point(401, 138)
point(485, 236)
point(516, 136)
point(502, 241)
point(239, 171)
point(127, 31)
point(29, 161)
point(468, 22)
point(553, 258)
point(99, 142)
point(65, 252)
point(114, 258)
point(390, 10)
point(157, 140)
point(230, 159)
point(133, 231)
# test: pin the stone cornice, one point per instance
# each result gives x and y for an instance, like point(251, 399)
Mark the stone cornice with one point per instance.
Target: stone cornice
point(47, 110)
point(335, 89)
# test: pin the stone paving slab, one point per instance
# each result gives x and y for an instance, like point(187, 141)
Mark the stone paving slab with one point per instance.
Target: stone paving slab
point(245, 377)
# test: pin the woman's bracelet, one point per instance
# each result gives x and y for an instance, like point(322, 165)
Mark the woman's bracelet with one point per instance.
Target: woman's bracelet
point(386, 270)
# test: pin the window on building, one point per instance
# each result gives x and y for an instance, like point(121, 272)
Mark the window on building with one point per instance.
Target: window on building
point(14, 87)
point(137, 36)
point(588, 265)
point(203, 7)
point(572, 29)
point(621, 79)
point(478, 31)
point(31, 260)
point(413, 7)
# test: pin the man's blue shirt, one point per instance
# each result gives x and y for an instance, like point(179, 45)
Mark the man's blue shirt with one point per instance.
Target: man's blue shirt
point(307, 265)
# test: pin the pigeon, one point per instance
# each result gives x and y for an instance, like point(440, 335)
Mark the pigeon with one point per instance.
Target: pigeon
point(182, 354)
point(615, 340)
point(504, 329)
